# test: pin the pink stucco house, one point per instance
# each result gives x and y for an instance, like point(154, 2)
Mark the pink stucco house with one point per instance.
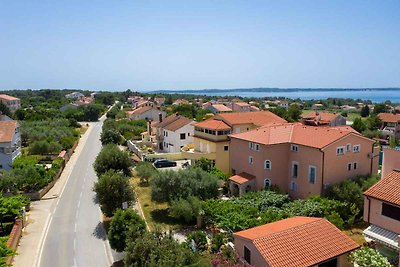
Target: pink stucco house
point(301, 160)
point(294, 242)
point(382, 211)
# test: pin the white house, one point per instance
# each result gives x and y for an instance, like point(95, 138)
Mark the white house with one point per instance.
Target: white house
point(10, 143)
point(74, 95)
point(176, 134)
point(147, 113)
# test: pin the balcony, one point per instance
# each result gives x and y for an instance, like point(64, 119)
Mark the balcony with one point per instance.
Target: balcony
point(16, 153)
point(189, 152)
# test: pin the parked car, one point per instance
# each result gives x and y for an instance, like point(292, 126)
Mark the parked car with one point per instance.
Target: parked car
point(162, 163)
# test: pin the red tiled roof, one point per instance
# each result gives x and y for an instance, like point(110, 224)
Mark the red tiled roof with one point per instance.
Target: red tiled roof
point(221, 107)
point(387, 189)
point(321, 116)
point(8, 97)
point(140, 110)
point(258, 118)
point(178, 123)
point(213, 124)
point(298, 241)
point(295, 133)
point(389, 117)
point(241, 178)
point(7, 130)
point(242, 104)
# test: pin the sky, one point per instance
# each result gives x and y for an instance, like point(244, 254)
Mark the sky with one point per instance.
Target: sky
point(151, 45)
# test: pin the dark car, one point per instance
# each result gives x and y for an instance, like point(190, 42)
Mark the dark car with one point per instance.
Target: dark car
point(162, 163)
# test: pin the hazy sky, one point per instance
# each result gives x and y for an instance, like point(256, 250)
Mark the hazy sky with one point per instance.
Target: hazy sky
point(147, 45)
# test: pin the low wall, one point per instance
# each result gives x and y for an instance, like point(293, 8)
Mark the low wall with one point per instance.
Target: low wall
point(13, 240)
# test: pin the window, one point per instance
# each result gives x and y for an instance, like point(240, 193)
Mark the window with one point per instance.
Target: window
point(295, 169)
point(251, 145)
point(355, 165)
point(267, 183)
point(349, 167)
point(188, 134)
point(267, 165)
point(183, 136)
point(250, 160)
point(312, 174)
point(340, 150)
point(257, 147)
point(226, 148)
point(348, 147)
point(247, 255)
point(356, 148)
point(294, 148)
point(391, 211)
point(293, 186)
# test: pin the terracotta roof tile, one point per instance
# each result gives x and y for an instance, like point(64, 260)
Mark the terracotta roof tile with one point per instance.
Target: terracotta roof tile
point(389, 117)
point(242, 104)
point(213, 124)
point(178, 123)
point(321, 116)
point(387, 189)
point(295, 133)
point(8, 97)
point(258, 118)
point(241, 178)
point(221, 107)
point(7, 130)
point(298, 241)
point(140, 110)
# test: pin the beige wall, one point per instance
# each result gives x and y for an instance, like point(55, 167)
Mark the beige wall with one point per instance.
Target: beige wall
point(256, 258)
point(373, 215)
point(221, 156)
point(239, 128)
point(391, 160)
point(336, 165)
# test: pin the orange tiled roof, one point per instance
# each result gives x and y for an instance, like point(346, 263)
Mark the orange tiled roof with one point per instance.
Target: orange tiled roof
point(241, 178)
point(389, 117)
point(258, 118)
point(295, 133)
point(387, 189)
point(8, 97)
point(7, 130)
point(140, 110)
point(322, 116)
point(298, 241)
point(221, 107)
point(213, 124)
point(242, 104)
point(178, 123)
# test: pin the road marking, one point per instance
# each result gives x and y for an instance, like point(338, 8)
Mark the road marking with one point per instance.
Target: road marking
point(75, 227)
point(76, 216)
point(80, 195)
point(79, 203)
point(74, 244)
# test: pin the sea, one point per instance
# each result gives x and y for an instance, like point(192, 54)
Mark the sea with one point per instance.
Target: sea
point(375, 95)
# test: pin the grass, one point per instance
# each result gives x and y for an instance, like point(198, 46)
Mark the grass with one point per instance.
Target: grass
point(156, 214)
point(356, 231)
point(83, 129)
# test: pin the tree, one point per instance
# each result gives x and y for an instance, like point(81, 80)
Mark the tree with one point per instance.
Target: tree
point(365, 111)
point(4, 109)
point(392, 142)
point(145, 170)
point(92, 112)
point(124, 223)
point(373, 122)
point(366, 257)
point(112, 189)
point(380, 108)
point(112, 158)
point(186, 210)
point(110, 137)
point(359, 125)
point(294, 112)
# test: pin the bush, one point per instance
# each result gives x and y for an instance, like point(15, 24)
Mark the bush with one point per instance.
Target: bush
point(168, 185)
point(5, 251)
point(185, 210)
point(122, 222)
point(110, 137)
point(112, 189)
point(217, 242)
point(199, 238)
point(145, 170)
point(366, 257)
point(112, 158)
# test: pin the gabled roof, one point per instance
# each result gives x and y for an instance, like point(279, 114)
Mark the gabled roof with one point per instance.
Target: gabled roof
point(7, 131)
point(318, 137)
point(221, 107)
point(212, 124)
point(8, 97)
point(298, 241)
point(140, 110)
point(321, 116)
point(387, 189)
point(242, 104)
point(178, 123)
point(258, 118)
point(389, 117)
point(241, 178)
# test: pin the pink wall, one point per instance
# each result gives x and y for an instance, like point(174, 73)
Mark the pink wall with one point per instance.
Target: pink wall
point(376, 217)
point(256, 258)
point(391, 160)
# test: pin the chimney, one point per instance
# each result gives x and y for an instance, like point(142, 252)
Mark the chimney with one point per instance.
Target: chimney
point(149, 127)
point(160, 117)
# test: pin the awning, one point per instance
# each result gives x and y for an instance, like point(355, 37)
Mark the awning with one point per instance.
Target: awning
point(382, 236)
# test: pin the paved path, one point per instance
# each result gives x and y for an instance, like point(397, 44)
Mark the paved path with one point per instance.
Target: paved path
point(66, 229)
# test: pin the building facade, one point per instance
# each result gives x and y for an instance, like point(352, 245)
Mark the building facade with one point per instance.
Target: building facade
point(10, 143)
point(11, 102)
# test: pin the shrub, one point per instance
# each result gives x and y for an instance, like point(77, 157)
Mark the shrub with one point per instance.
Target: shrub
point(145, 170)
point(366, 257)
point(112, 158)
point(112, 189)
point(110, 137)
point(185, 210)
point(217, 242)
point(199, 238)
point(122, 222)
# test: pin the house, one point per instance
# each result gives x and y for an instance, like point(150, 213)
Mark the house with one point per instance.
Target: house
point(218, 108)
point(211, 137)
point(10, 143)
point(390, 160)
point(382, 212)
point(159, 101)
point(390, 124)
point(284, 104)
point(254, 108)
point(240, 106)
point(74, 95)
point(146, 113)
point(317, 106)
point(348, 108)
point(294, 242)
point(323, 119)
point(180, 102)
point(175, 134)
point(11, 102)
point(301, 160)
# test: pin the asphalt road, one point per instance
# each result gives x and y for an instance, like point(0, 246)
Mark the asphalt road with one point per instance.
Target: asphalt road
point(75, 235)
